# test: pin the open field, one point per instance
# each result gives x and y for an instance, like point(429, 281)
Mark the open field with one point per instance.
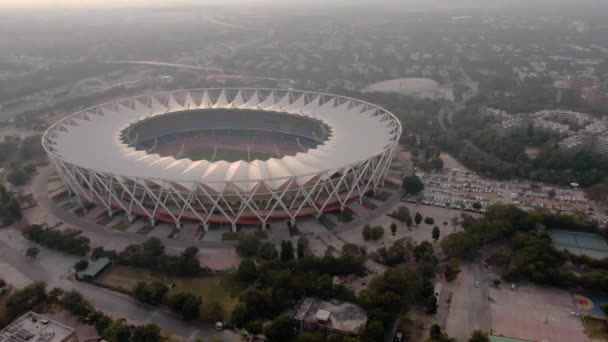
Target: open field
point(206, 153)
point(211, 289)
point(596, 327)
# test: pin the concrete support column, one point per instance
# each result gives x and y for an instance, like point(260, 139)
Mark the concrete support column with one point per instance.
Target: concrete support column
point(234, 227)
point(264, 227)
point(130, 218)
point(110, 212)
point(178, 225)
point(293, 221)
point(206, 227)
point(152, 222)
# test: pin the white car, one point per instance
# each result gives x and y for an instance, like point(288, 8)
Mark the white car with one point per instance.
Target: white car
point(476, 284)
point(219, 326)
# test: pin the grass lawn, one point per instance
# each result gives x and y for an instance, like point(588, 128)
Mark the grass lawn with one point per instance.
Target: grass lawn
point(104, 219)
point(211, 288)
point(327, 222)
point(383, 196)
point(122, 226)
point(206, 153)
point(596, 327)
point(54, 179)
point(3, 307)
point(145, 230)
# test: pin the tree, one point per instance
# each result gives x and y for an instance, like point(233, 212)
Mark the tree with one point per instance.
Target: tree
point(146, 333)
point(17, 177)
point(25, 299)
point(32, 252)
point(438, 336)
point(412, 185)
point(151, 293)
point(255, 327)
point(81, 265)
point(436, 233)
point(393, 228)
point(429, 220)
point(268, 251)
point(248, 246)
point(247, 271)
point(212, 312)
point(417, 218)
point(496, 282)
point(479, 336)
point(476, 205)
point(431, 304)
point(372, 233)
point(286, 251)
point(118, 331)
point(395, 254)
point(281, 329)
point(185, 304)
point(302, 245)
point(402, 214)
point(374, 332)
point(452, 269)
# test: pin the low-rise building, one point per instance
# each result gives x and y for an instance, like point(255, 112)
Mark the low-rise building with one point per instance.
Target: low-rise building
point(94, 269)
point(330, 316)
point(33, 327)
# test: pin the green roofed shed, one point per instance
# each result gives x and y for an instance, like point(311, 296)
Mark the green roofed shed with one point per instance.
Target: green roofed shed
point(94, 268)
point(505, 339)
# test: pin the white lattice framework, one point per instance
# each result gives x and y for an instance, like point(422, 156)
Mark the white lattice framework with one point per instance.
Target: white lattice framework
point(95, 163)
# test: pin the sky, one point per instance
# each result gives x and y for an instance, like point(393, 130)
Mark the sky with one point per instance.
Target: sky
point(161, 3)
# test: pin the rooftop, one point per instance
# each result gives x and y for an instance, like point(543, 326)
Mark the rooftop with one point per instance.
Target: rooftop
point(95, 267)
point(341, 316)
point(36, 327)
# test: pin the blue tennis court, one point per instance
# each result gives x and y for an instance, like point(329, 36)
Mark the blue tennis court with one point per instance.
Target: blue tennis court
point(580, 243)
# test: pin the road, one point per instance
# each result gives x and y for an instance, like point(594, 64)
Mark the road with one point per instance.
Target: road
point(470, 306)
point(53, 268)
point(99, 234)
point(175, 65)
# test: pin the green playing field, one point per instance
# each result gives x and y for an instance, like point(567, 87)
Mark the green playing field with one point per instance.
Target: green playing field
point(206, 153)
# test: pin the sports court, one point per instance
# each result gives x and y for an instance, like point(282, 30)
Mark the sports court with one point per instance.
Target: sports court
point(580, 243)
point(535, 313)
point(589, 303)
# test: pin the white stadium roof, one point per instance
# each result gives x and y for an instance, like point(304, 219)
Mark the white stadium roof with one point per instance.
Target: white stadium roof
point(91, 139)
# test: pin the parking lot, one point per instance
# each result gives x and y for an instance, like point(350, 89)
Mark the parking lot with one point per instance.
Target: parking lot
point(461, 189)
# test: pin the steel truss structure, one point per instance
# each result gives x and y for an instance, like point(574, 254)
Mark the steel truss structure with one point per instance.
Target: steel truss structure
point(97, 166)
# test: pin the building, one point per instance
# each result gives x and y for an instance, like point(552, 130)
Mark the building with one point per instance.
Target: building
point(33, 327)
point(330, 316)
point(335, 149)
point(94, 269)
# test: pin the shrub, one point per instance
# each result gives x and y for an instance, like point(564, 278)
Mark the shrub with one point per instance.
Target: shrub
point(372, 233)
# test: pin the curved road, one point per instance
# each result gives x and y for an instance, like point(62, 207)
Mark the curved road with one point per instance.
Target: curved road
point(52, 268)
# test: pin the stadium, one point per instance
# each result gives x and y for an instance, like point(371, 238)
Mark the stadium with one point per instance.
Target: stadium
point(235, 156)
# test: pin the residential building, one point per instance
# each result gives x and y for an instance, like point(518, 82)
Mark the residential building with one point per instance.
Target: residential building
point(33, 327)
point(330, 316)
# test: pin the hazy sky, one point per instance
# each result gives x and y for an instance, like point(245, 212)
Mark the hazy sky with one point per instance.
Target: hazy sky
point(136, 3)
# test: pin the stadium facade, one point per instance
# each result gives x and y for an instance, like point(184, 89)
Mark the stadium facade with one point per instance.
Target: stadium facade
point(107, 155)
